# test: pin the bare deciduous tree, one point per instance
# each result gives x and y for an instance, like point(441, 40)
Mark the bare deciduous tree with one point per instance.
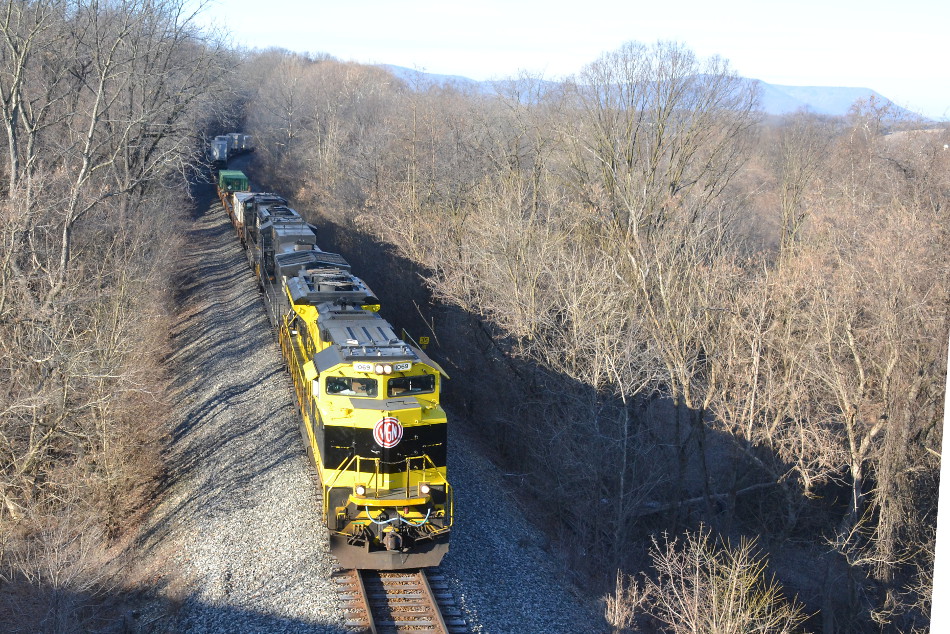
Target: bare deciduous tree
point(101, 102)
point(678, 320)
point(703, 587)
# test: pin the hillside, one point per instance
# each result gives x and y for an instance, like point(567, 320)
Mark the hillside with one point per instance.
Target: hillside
point(775, 99)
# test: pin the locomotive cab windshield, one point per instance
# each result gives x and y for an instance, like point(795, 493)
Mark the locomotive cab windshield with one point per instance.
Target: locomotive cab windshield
point(351, 386)
point(369, 387)
point(410, 385)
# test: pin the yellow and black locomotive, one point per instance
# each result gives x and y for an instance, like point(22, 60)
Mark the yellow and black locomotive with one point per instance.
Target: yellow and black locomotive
point(369, 401)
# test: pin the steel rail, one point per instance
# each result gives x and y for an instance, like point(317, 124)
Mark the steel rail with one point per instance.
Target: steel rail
point(392, 602)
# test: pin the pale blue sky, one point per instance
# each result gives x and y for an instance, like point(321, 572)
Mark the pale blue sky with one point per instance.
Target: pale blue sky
point(897, 49)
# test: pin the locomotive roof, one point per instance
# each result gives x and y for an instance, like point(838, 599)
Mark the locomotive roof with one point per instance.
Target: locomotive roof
point(359, 335)
point(268, 213)
point(290, 263)
point(356, 334)
point(362, 335)
point(364, 329)
point(265, 198)
point(312, 258)
point(329, 285)
point(299, 232)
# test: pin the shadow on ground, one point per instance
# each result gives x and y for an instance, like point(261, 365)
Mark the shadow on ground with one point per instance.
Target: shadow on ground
point(26, 608)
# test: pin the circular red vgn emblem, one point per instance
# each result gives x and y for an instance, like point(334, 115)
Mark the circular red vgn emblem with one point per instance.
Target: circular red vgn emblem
point(388, 432)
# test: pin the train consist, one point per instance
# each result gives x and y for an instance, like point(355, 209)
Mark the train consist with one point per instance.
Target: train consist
point(228, 146)
point(370, 415)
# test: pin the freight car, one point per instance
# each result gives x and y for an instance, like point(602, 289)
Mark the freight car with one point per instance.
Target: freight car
point(370, 413)
point(226, 146)
point(218, 153)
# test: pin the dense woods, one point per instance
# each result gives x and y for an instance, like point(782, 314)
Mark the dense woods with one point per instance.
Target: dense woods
point(708, 347)
point(665, 315)
point(101, 106)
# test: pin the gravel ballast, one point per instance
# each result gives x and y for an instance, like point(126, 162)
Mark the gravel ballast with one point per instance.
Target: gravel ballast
point(235, 540)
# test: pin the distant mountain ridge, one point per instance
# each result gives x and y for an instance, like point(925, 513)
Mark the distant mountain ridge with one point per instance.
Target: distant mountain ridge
point(828, 100)
point(775, 99)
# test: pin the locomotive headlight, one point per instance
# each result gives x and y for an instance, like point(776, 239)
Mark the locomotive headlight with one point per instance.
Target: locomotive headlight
point(379, 368)
point(360, 490)
point(424, 488)
point(383, 368)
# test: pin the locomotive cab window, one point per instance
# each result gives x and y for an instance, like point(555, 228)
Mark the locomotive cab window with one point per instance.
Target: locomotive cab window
point(351, 386)
point(405, 385)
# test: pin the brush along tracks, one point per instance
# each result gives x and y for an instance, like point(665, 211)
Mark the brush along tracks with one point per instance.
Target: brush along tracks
point(402, 601)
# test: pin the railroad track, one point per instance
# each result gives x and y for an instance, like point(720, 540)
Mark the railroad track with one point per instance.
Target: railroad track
point(382, 602)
